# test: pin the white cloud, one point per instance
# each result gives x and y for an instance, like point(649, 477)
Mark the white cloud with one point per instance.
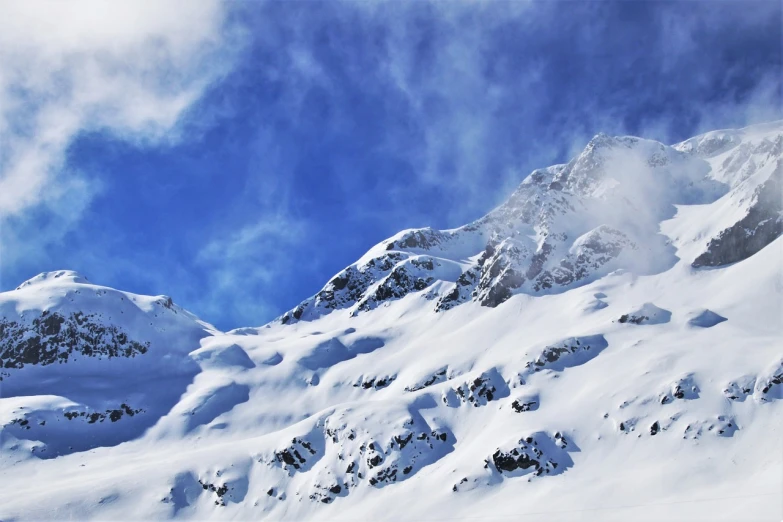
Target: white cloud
point(130, 69)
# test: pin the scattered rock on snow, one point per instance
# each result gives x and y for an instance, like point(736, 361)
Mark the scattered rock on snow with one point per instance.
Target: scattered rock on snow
point(567, 353)
point(486, 387)
point(440, 375)
point(539, 453)
point(525, 403)
point(682, 388)
point(722, 425)
point(376, 383)
point(648, 313)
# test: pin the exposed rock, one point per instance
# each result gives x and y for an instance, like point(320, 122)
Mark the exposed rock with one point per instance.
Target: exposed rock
point(760, 227)
point(765, 386)
point(462, 290)
point(647, 314)
point(438, 376)
point(500, 272)
point(219, 491)
point(403, 279)
point(422, 239)
point(722, 425)
point(295, 456)
point(486, 387)
point(523, 404)
point(569, 352)
point(739, 389)
point(590, 252)
point(563, 226)
point(376, 383)
point(112, 415)
point(54, 338)
point(682, 388)
point(346, 289)
point(391, 455)
point(538, 453)
point(768, 384)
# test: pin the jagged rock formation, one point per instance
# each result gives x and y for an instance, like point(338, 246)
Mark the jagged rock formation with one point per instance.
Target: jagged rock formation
point(538, 453)
point(683, 388)
point(479, 391)
point(764, 387)
point(53, 338)
point(564, 226)
point(566, 353)
point(365, 456)
point(762, 224)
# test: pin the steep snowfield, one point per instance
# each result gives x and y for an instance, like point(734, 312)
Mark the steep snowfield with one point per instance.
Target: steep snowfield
point(564, 357)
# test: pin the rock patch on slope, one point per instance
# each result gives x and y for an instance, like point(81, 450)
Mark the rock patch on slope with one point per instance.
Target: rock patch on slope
point(764, 387)
point(567, 353)
point(762, 224)
point(478, 391)
point(340, 453)
point(54, 338)
point(436, 377)
point(537, 454)
point(682, 388)
point(648, 313)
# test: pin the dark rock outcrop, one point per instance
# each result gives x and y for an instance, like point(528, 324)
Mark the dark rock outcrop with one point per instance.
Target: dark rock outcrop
point(569, 352)
point(539, 454)
point(481, 390)
point(296, 456)
point(760, 227)
point(376, 383)
point(54, 338)
point(648, 313)
point(436, 377)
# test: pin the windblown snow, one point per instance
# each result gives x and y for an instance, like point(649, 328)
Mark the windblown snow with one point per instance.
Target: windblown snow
point(605, 345)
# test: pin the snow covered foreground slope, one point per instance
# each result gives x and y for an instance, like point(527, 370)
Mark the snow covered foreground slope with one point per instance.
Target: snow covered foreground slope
point(605, 345)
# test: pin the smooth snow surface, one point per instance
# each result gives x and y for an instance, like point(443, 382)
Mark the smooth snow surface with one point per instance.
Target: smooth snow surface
point(560, 358)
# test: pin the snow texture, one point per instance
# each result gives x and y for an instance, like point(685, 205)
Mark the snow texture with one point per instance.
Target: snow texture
point(604, 345)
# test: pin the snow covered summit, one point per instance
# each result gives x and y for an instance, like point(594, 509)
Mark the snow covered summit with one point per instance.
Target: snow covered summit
point(568, 225)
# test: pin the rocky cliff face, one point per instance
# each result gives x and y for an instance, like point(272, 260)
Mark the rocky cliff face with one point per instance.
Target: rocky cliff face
point(563, 227)
point(750, 162)
point(762, 224)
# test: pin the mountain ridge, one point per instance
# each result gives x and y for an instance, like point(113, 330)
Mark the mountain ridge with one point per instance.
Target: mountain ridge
point(438, 376)
point(552, 192)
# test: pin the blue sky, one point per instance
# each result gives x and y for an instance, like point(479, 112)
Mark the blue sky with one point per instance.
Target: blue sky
point(236, 156)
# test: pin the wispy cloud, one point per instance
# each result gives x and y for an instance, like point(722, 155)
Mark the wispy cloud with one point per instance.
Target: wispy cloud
point(128, 69)
point(473, 96)
point(242, 266)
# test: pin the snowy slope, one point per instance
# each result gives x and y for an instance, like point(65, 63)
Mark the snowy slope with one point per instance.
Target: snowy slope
point(565, 357)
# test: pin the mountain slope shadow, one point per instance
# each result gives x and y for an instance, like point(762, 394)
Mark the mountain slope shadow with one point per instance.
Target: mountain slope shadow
point(114, 403)
point(334, 351)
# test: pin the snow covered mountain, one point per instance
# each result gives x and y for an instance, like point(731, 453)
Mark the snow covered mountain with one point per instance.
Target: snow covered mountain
point(606, 344)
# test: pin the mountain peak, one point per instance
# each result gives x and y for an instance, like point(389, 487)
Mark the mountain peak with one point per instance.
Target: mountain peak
point(59, 276)
point(564, 226)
